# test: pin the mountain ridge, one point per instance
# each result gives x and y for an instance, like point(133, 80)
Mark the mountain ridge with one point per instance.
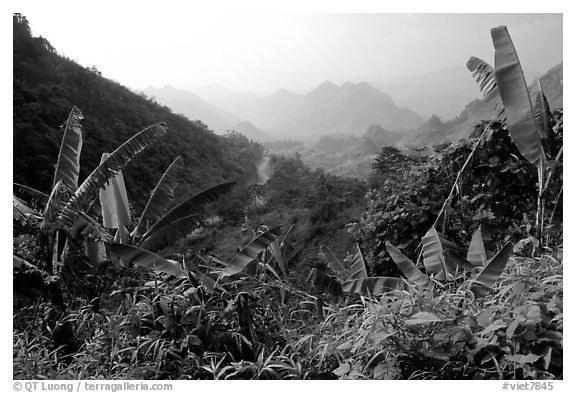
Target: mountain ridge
point(349, 108)
point(193, 107)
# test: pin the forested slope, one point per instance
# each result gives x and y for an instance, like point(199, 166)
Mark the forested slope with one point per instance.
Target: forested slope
point(46, 87)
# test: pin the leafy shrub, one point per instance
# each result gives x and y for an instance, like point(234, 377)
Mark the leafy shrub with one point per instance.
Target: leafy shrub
point(515, 334)
point(498, 191)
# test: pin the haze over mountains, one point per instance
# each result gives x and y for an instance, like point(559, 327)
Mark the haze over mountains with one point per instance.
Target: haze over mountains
point(349, 109)
point(436, 131)
point(353, 155)
point(401, 103)
point(444, 92)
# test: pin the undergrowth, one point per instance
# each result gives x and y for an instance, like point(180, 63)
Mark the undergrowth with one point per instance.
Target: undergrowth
point(157, 332)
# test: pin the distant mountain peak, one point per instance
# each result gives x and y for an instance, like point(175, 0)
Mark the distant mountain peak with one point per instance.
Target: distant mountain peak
point(328, 108)
point(282, 92)
point(327, 85)
point(366, 85)
point(324, 88)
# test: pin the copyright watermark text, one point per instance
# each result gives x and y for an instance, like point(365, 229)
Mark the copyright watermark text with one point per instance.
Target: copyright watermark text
point(89, 386)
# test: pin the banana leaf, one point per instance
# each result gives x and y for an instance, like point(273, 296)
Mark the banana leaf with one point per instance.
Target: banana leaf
point(484, 282)
point(293, 255)
point(250, 252)
point(288, 232)
point(114, 201)
point(485, 76)
point(191, 206)
point(36, 196)
point(455, 260)
point(358, 268)
point(433, 256)
point(22, 212)
point(160, 197)
point(57, 201)
point(406, 266)
point(170, 233)
point(118, 159)
point(542, 115)
point(122, 236)
point(476, 252)
point(276, 251)
point(333, 262)
point(515, 96)
point(86, 226)
point(146, 259)
point(324, 282)
point(373, 286)
point(68, 165)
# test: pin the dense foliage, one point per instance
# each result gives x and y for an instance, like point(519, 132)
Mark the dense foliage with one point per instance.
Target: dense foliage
point(318, 206)
point(498, 192)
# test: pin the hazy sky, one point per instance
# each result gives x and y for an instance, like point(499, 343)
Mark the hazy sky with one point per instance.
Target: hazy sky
point(259, 52)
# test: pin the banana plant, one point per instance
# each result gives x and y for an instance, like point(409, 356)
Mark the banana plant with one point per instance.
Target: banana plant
point(356, 280)
point(50, 229)
point(528, 121)
point(155, 228)
point(63, 213)
point(486, 273)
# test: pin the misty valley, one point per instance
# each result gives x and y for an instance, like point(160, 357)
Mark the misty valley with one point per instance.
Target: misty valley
point(393, 229)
